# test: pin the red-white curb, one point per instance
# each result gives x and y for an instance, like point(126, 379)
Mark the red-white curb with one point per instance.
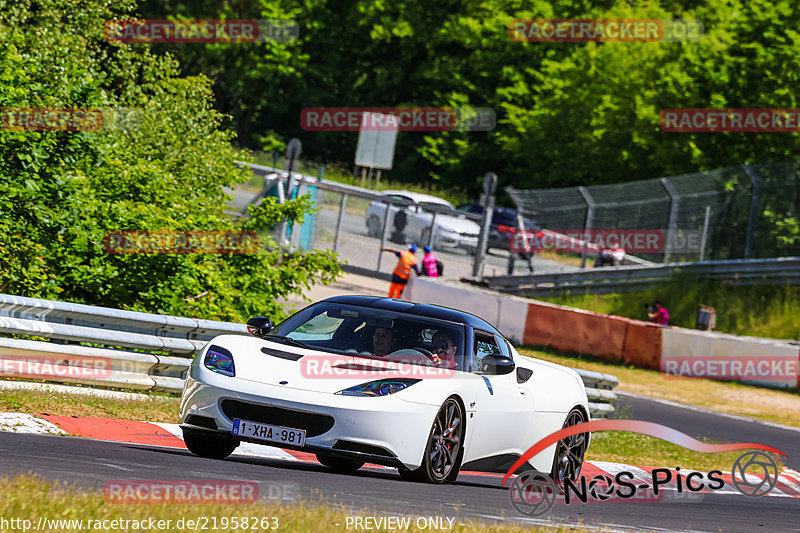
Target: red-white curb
point(170, 435)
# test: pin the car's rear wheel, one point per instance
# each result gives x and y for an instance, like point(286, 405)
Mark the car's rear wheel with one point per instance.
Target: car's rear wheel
point(208, 445)
point(373, 226)
point(568, 460)
point(339, 464)
point(444, 449)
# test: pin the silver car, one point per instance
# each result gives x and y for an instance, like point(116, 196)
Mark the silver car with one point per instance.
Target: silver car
point(412, 223)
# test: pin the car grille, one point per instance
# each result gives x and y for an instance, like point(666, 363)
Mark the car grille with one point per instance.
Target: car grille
point(313, 424)
point(201, 421)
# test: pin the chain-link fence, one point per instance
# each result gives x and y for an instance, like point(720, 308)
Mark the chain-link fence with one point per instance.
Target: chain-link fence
point(356, 223)
point(730, 213)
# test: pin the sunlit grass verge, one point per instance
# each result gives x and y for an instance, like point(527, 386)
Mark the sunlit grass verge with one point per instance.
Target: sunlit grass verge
point(641, 450)
point(778, 406)
point(152, 407)
point(32, 498)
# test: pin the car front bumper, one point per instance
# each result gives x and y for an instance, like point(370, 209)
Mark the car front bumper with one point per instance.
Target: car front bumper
point(385, 430)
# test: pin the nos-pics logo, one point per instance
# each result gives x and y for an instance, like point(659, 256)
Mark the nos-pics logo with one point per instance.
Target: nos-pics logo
point(534, 493)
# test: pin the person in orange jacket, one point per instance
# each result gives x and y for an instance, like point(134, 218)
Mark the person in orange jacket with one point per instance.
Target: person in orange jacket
point(406, 261)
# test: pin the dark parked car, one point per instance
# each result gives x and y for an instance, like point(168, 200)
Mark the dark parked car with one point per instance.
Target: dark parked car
point(503, 225)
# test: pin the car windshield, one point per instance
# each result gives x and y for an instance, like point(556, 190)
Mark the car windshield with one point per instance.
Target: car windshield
point(436, 205)
point(375, 333)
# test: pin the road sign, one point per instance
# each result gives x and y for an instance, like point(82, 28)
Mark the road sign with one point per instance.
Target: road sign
point(376, 146)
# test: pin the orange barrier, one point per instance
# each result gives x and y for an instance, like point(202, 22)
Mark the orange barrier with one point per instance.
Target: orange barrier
point(574, 330)
point(642, 346)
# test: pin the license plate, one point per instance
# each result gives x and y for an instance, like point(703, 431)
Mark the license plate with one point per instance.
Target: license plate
point(267, 432)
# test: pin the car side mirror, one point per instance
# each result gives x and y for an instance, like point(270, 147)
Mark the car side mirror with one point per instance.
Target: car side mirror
point(496, 364)
point(259, 326)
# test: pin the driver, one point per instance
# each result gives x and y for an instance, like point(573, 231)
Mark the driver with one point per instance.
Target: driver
point(444, 350)
point(382, 341)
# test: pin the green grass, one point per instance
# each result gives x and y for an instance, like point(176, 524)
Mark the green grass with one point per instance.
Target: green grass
point(778, 406)
point(761, 311)
point(33, 498)
point(152, 407)
point(641, 450)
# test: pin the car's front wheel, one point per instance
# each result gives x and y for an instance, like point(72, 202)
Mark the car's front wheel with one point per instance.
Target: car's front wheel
point(444, 449)
point(568, 460)
point(339, 464)
point(207, 444)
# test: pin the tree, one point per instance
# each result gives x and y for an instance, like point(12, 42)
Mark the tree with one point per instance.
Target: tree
point(61, 192)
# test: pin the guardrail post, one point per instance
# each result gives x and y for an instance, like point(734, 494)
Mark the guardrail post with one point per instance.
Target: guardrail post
point(383, 234)
point(705, 233)
point(672, 224)
point(433, 230)
point(342, 206)
point(590, 205)
point(751, 224)
point(489, 185)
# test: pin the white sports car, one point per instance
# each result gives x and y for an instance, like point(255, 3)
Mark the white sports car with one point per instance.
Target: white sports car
point(354, 379)
point(452, 229)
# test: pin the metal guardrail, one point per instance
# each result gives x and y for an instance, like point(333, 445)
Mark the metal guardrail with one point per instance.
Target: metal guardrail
point(600, 391)
point(117, 368)
point(782, 270)
point(107, 327)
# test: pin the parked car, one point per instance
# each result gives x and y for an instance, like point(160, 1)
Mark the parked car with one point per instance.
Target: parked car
point(412, 224)
point(357, 379)
point(503, 224)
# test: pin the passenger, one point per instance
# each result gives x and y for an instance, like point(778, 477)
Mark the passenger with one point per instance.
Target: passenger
point(444, 350)
point(382, 341)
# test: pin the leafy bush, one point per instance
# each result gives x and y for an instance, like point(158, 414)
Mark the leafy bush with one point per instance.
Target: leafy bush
point(61, 191)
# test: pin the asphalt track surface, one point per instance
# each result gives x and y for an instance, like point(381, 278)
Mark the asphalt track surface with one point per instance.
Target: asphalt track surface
point(701, 423)
point(92, 463)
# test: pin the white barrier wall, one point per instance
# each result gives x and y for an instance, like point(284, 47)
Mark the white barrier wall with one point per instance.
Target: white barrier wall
point(766, 362)
point(506, 313)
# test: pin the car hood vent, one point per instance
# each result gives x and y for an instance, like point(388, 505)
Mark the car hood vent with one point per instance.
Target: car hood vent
point(281, 354)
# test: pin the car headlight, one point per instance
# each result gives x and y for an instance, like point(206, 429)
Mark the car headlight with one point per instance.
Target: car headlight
point(381, 387)
point(219, 360)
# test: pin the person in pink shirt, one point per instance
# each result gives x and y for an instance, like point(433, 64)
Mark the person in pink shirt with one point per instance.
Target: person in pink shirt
point(659, 314)
point(429, 263)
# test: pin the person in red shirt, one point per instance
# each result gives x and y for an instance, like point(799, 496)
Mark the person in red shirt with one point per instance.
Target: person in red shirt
point(407, 261)
point(659, 314)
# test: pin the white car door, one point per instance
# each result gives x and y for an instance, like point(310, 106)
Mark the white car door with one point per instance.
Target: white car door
point(503, 407)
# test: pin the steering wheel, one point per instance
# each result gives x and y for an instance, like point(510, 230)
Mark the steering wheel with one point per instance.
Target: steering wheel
point(423, 351)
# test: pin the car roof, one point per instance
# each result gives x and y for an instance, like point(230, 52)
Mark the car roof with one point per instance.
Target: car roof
point(424, 310)
point(419, 197)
